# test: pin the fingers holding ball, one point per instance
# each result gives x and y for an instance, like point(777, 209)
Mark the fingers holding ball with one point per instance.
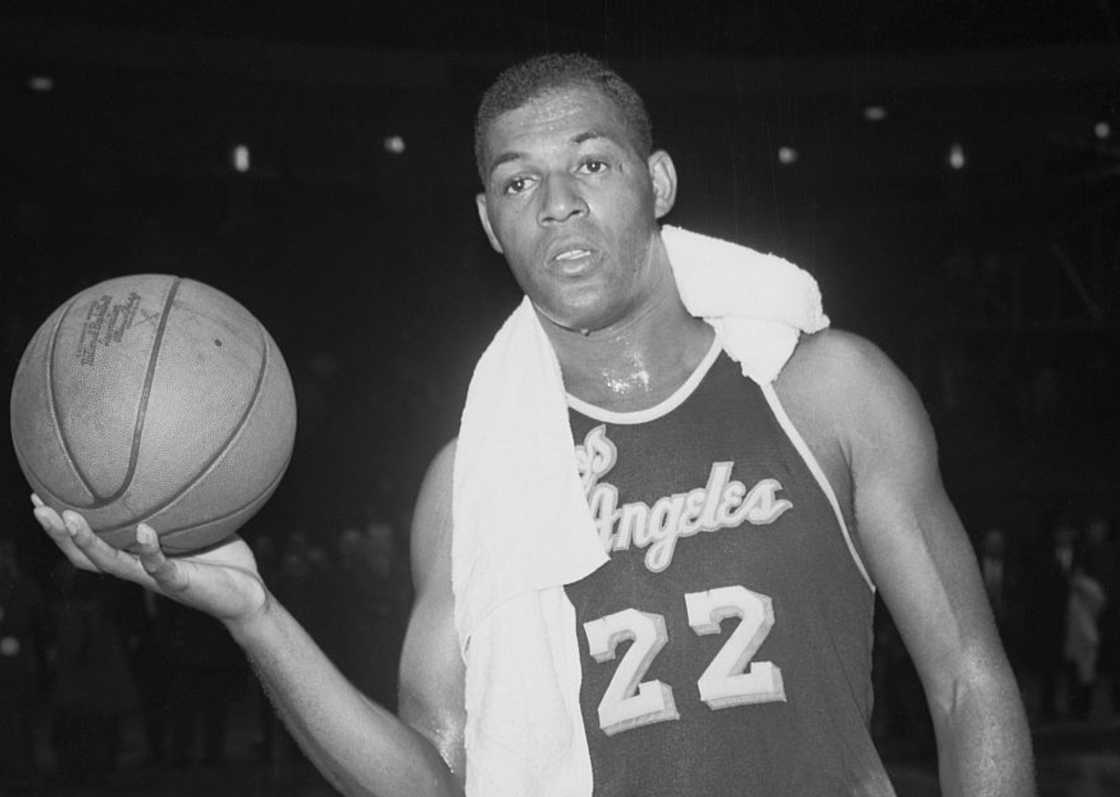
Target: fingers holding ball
point(57, 530)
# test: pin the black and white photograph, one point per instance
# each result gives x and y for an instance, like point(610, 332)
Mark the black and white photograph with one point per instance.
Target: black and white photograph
point(541, 399)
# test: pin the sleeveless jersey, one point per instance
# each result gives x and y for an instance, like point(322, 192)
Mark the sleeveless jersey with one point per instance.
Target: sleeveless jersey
point(725, 647)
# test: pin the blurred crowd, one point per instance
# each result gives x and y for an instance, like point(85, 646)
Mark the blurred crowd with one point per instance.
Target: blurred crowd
point(82, 656)
point(1054, 592)
point(85, 657)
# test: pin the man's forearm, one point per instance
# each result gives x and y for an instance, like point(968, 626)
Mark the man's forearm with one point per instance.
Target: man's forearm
point(361, 748)
point(983, 741)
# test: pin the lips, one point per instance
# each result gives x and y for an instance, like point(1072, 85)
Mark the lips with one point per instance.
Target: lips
point(573, 261)
point(573, 254)
point(571, 251)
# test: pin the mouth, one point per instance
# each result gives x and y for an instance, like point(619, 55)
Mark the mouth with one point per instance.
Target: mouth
point(572, 259)
point(569, 255)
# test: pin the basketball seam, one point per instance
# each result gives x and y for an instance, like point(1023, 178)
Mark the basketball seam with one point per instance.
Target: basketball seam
point(141, 410)
point(221, 450)
point(56, 420)
point(145, 395)
point(24, 460)
point(268, 488)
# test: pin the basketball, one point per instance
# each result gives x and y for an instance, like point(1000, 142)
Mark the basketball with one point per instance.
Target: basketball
point(154, 398)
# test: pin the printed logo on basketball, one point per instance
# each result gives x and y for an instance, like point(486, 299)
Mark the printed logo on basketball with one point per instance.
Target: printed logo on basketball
point(723, 503)
point(107, 321)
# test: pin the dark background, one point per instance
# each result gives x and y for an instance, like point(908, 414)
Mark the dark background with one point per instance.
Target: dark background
point(995, 286)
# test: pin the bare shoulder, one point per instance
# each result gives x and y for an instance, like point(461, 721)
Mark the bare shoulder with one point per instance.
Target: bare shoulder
point(835, 358)
point(857, 412)
point(843, 382)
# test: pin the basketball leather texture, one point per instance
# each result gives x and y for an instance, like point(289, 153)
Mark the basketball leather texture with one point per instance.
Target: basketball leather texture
point(154, 398)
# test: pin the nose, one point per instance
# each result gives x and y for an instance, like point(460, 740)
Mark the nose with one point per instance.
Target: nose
point(560, 200)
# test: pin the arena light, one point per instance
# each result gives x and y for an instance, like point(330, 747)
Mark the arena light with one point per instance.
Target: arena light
point(40, 83)
point(1102, 130)
point(394, 145)
point(956, 156)
point(874, 113)
point(787, 156)
point(240, 158)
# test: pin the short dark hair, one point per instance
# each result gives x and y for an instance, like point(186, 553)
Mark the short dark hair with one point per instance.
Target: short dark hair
point(530, 79)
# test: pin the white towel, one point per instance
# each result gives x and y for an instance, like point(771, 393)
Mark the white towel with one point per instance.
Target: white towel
point(523, 529)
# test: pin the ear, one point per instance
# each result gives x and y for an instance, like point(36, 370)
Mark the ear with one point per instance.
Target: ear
point(484, 217)
point(663, 174)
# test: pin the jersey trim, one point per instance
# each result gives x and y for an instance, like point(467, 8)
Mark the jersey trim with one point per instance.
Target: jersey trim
point(818, 474)
point(658, 410)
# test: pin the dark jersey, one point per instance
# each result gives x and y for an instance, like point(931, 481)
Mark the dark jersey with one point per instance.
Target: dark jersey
point(726, 645)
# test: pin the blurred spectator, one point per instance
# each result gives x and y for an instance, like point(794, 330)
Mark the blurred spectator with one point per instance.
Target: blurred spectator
point(93, 688)
point(900, 718)
point(148, 635)
point(1001, 581)
point(1082, 644)
point(372, 582)
point(1094, 572)
point(207, 672)
point(1102, 562)
point(23, 625)
point(304, 586)
point(295, 546)
point(392, 603)
point(1049, 607)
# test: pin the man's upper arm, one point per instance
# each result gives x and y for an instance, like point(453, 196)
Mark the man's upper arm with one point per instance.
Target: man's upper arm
point(911, 537)
point(431, 675)
point(919, 556)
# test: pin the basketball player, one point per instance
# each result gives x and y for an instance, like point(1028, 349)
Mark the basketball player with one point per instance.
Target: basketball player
point(572, 194)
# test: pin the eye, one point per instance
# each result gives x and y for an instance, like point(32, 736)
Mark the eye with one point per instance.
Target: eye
point(515, 185)
point(593, 166)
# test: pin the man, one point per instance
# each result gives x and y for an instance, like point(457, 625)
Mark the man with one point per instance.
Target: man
point(1102, 563)
point(1051, 590)
point(572, 195)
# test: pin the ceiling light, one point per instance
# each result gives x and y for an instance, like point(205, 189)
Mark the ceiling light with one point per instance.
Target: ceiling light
point(240, 158)
point(956, 156)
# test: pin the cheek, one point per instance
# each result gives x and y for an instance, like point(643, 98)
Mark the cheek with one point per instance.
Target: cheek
point(511, 224)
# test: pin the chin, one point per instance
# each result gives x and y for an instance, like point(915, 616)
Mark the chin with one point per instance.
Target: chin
point(579, 310)
point(587, 323)
point(575, 321)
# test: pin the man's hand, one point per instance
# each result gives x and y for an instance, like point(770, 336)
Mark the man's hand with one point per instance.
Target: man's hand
point(221, 581)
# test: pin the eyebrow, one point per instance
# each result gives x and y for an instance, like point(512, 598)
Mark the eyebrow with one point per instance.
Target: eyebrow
point(579, 138)
point(589, 135)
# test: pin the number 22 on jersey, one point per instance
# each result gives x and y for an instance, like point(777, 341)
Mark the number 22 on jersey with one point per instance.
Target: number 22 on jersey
point(731, 679)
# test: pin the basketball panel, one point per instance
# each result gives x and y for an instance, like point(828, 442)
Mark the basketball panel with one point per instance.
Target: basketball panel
point(207, 374)
point(177, 541)
point(253, 460)
point(35, 437)
point(99, 373)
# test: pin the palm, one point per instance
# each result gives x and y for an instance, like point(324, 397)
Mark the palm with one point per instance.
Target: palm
point(222, 581)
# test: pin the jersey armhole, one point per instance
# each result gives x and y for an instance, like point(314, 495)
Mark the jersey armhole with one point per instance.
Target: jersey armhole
point(818, 474)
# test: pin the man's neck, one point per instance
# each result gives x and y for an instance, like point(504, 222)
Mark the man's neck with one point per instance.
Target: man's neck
point(637, 364)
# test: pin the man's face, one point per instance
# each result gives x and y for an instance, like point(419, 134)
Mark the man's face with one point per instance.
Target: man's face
point(573, 207)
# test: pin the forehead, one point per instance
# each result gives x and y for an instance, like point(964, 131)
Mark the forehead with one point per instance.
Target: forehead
point(556, 117)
